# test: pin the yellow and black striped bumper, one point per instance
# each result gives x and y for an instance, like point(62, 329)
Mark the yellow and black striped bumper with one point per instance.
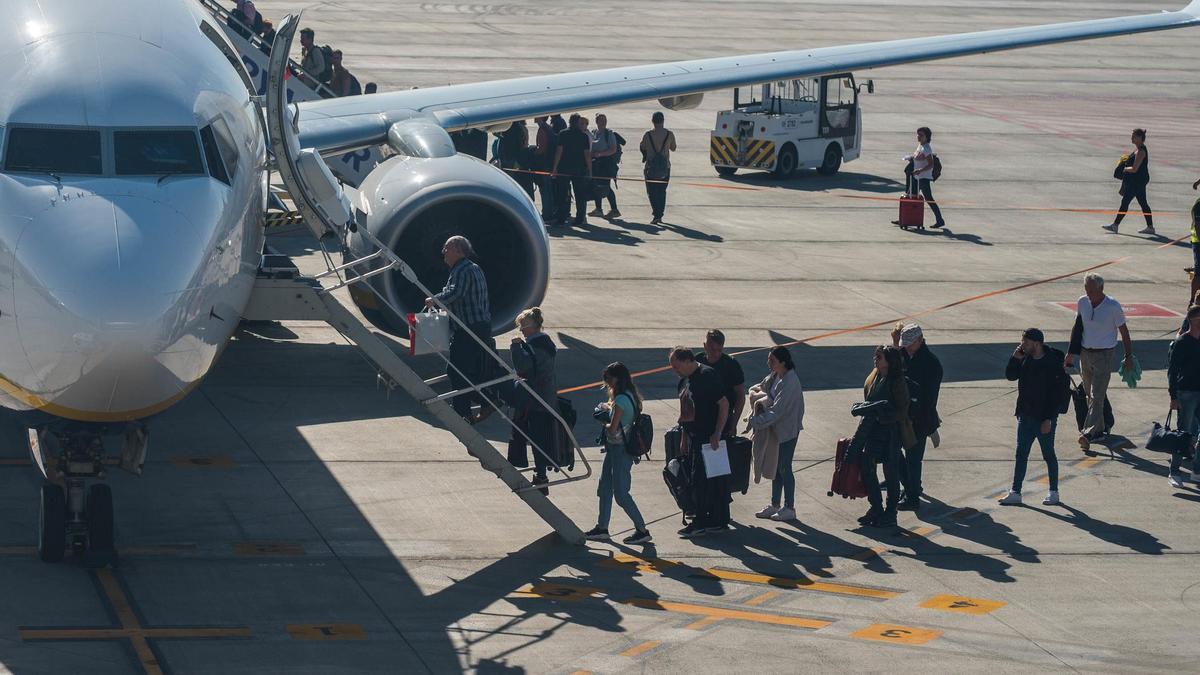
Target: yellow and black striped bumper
point(723, 151)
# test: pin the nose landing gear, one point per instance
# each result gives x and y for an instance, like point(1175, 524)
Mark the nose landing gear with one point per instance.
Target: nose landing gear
point(76, 516)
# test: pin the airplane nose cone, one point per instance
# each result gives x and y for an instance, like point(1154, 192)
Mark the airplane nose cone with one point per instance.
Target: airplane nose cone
point(102, 285)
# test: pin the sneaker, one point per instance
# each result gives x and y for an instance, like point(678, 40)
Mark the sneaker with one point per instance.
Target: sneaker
point(542, 481)
point(784, 515)
point(939, 224)
point(1147, 230)
point(638, 537)
point(596, 212)
point(615, 213)
point(1176, 480)
point(910, 505)
point(1111, 227)
point(1051, 499)
point(1013, 498)
point(597, 534)
point(656, 221)
point(692, 531)
point(1084, 442)
point(767, 511)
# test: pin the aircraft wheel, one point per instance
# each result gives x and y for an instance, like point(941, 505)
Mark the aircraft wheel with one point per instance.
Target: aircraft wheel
point(101, 532)
point(726, 170)
point(833, 161)
point(787, 163)
point(52, 523)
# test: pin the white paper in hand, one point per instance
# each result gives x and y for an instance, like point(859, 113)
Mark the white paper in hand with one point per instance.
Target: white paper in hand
point(716, 461)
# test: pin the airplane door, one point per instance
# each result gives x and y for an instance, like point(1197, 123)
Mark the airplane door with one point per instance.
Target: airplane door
point(839, 108)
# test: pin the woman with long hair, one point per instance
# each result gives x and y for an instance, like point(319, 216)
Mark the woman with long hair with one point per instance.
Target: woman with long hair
point(624, 404)
point(891, 431)
point(1134, 178)
point(777, 417)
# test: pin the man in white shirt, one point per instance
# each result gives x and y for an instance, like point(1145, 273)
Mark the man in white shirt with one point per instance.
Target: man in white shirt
point(1098, 322)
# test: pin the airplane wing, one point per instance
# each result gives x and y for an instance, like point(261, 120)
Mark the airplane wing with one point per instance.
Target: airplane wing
point(358, 121)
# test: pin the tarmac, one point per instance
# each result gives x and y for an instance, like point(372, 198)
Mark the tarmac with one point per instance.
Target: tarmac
point(295, 518)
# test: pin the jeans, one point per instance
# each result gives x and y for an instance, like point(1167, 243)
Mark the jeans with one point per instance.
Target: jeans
point(925, 187)
point(710, 494)
point(1095, 369)
point(1029, 428)
point(466, 356)
point(910, 469)
point(1138, 193)
point(784, 482)
point(1189, 421)
point(881, 452)
point(657, 192)
point(615, 476)
point(549, 208)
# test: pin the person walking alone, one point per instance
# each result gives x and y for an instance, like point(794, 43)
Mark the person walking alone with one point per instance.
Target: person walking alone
point(1043, 391)
point(657, 146)
point(1135, 178)
point(922, 173)
point(1099, 319)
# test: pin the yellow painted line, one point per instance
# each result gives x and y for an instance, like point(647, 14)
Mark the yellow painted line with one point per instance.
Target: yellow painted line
point(582, 672)
point(163, 549)
point(326, 631)
point(957, 603)
point(758, 600)
point(658, 565)
point(701, 624)
point(1044, 480)
point(906, 635)
point(722, 613)
point(212, 462)
point(1087, 463)
point(638, 650)
point(127, 617)
point(563, 592)
point(918, 532)
point(267, 548)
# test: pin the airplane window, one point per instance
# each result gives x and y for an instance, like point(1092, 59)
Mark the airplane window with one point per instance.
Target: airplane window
point(226, 144)
point(216, 166)
point(58, 151)
point(141, 153)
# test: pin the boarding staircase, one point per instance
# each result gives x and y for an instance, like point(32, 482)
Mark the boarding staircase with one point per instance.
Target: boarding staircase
point(282, 293)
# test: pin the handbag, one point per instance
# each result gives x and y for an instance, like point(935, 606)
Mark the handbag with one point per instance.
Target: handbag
point(1165, 439)
point(428, 332)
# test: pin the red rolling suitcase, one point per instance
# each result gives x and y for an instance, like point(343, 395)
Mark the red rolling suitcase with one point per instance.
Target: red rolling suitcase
point(847, 480)
point(912, 212)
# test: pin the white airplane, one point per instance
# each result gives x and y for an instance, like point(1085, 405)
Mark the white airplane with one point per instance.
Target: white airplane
point(139, 112)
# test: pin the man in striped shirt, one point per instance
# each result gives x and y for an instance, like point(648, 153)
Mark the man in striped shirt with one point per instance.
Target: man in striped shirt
point(466, 295)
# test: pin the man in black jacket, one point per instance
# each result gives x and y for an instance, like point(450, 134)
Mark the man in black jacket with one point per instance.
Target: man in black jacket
point(925, 370)
point(1043, 392)
point(1183, 384)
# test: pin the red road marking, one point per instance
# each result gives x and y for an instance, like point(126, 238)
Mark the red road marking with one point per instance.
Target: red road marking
point(1133, 309)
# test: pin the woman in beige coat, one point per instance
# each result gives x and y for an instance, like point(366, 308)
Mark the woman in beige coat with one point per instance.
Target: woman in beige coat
point(777, 416)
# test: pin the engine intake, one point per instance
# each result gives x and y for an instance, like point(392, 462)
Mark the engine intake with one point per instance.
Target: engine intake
point(413, 204)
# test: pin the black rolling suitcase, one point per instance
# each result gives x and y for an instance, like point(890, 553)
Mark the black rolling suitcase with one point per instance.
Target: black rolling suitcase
point(677, 474)
point(1079, 402)
point(740, 457)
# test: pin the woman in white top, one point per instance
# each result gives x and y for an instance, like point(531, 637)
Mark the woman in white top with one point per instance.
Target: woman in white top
point(922, 173)
point(777, 417)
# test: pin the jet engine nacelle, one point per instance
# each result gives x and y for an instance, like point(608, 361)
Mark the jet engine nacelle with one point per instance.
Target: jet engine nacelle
point(413, 204)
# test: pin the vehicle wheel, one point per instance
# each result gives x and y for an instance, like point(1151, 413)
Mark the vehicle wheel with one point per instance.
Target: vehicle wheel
point(52, 523)
point(786, 165)
point(726, 170)
point(833, 161)
point(100, 518)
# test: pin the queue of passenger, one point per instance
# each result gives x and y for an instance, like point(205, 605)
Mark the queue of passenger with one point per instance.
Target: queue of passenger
point(322, 65)
point(898, 411)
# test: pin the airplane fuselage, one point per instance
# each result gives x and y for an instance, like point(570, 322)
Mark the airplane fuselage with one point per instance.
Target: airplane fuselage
point(132, 192)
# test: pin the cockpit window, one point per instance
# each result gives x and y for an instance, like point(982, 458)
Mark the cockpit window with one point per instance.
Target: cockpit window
point(57, 151)
point(154, 152)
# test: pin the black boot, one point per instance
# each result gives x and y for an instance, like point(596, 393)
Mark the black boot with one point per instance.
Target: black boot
point(870, 516)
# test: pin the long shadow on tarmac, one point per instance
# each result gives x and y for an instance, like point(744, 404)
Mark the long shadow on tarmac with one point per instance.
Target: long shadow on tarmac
point(811, 181)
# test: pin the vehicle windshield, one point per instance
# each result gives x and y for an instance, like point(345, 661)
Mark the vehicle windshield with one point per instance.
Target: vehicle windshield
point(55, 151)
point(153, 152)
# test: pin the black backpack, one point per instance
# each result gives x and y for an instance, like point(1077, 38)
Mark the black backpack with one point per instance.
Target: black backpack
point(937, 168)
point(641, 436)
point(326, 75)
point(620, 147)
